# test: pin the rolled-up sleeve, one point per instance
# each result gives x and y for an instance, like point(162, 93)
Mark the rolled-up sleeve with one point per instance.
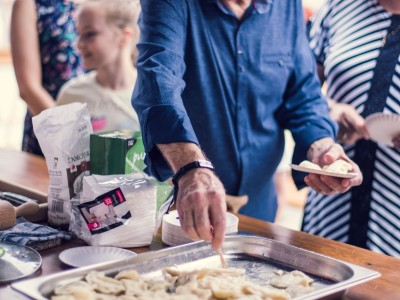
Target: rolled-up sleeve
point(157, 94)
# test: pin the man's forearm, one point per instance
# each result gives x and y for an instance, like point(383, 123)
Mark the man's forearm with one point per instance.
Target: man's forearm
point(180, 154)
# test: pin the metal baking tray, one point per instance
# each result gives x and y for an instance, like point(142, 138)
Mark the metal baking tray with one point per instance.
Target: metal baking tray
point(258, 255)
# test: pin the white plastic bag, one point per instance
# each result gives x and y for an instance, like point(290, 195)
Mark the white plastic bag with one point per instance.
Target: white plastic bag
point(115, 210)
point(63, 133)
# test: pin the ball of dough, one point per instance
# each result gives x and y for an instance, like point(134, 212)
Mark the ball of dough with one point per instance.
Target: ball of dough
point(310, 165)
point(339, 166)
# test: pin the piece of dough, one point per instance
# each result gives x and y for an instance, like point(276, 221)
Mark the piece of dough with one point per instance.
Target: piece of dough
point(339, 166)
point(310, 165)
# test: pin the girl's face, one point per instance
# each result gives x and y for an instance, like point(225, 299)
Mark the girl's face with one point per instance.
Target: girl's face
point(99, 42)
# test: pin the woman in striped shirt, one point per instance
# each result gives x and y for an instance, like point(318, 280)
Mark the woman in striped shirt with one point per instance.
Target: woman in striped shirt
point(357, 47)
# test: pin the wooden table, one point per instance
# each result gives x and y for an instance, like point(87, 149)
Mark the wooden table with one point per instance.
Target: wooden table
point(24, 173)
point(32, 172)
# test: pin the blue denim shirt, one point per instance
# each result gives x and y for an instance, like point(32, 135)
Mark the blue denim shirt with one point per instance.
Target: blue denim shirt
point(231, 87)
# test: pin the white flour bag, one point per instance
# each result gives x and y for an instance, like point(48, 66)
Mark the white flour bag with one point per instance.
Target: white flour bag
point(63, 133)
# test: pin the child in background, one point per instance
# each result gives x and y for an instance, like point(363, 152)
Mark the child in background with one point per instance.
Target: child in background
point(107, 37)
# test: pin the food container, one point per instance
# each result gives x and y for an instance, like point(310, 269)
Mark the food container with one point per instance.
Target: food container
point(259, 256)
point(173, 234)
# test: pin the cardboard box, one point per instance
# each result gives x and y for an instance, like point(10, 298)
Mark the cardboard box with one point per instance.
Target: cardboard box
point(116, 152)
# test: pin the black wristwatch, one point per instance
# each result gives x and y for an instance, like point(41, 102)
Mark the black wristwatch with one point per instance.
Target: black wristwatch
point(201, 163)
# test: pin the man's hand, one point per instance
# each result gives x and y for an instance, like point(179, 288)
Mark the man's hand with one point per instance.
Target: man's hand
point(324, 152)
point(351, 124)
point(201, 206)
point(200, 200)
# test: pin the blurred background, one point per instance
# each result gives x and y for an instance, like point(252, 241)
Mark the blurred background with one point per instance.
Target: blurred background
point(12, 109)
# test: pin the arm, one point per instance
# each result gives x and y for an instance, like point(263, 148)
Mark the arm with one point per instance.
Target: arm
point(168, 136)
point(200, 201)
point(26, 56)
point(305, 112)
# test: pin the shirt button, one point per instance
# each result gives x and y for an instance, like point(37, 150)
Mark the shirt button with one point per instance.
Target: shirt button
point(241, 69)
point(240, 51)
point(281, 62)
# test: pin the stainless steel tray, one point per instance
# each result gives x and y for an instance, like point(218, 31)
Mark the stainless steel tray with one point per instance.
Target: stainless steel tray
point(258, 255)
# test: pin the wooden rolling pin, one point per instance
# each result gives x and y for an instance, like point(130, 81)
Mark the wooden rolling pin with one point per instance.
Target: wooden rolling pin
point(235, 203)
point(9, 213)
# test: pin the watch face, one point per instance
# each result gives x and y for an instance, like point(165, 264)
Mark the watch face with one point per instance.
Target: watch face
point(205, 163)
point(201, 163)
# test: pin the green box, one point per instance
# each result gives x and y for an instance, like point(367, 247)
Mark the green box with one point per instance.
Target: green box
point(115, 152)
point(134, 161)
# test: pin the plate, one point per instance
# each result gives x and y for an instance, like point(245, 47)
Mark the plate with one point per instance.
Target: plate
point(18, 261)
point(382, 128)
point(322, 172)
point(90, 255)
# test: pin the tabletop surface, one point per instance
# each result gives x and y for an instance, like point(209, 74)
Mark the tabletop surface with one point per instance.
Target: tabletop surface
point(29, 174)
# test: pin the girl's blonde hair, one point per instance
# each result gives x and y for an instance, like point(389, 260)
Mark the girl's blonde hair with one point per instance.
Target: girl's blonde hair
point(122, 14)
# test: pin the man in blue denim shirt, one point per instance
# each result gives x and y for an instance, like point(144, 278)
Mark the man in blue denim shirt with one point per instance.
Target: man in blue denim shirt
point(220, 80)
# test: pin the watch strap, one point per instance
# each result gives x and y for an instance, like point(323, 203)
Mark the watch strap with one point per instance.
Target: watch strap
point(201, 163)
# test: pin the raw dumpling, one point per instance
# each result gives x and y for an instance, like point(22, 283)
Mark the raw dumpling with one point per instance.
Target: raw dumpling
point(310, 165)
point(339, 166)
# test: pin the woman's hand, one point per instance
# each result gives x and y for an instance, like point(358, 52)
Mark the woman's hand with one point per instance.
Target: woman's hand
point(351, 124)
point(324, 152)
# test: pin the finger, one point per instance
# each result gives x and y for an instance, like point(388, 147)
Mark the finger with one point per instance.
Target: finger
point(357, 123)
point(396, 145)
point(218, 221)
point(312, 186)
point(188, 225)
point(357, 180)
point(352, 138)
point(202, 224)
point(337, 185)
point(348, 134)
point(396, 142)
point(185, 214)
point(334, 153)
point(319, 185)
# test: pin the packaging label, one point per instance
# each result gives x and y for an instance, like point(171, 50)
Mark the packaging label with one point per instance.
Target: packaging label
point(106, 212)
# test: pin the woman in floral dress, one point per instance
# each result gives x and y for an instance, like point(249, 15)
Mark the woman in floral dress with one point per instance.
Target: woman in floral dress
point(43, 42)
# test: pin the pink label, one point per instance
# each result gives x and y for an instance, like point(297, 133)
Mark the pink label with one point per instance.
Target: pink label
point(108, 201)
point(93, 225)
point(119, 194)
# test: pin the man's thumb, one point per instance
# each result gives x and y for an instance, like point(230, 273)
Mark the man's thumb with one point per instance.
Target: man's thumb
point(332, 154)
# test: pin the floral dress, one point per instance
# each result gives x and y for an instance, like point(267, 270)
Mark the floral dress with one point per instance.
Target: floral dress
point(59, 58)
